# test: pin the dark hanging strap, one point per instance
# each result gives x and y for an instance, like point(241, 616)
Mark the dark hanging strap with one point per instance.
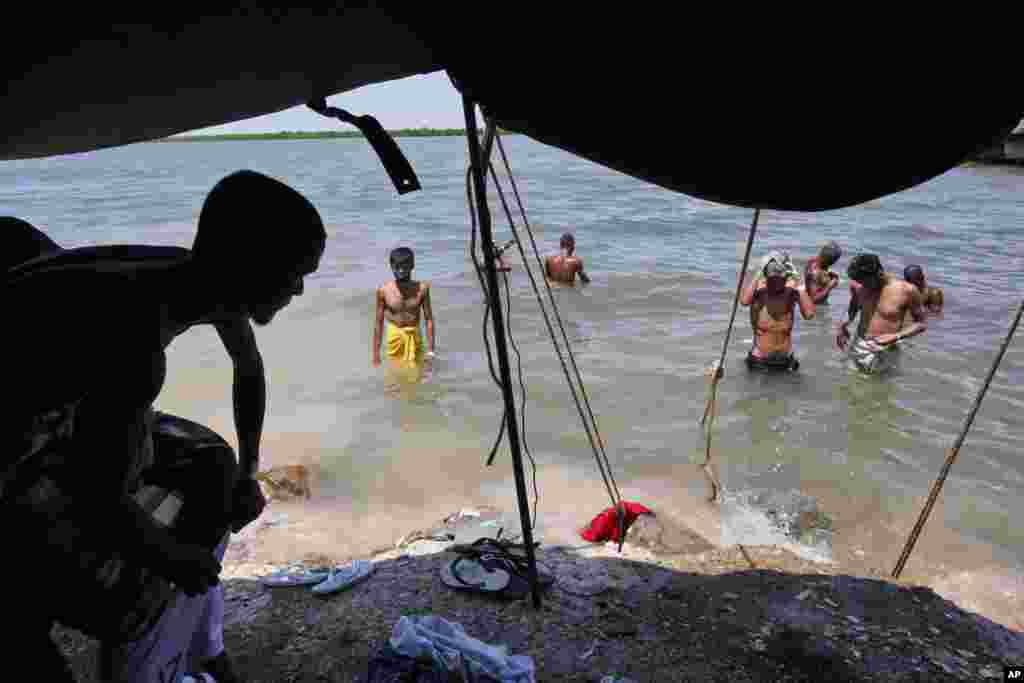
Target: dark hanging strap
point(397, 166)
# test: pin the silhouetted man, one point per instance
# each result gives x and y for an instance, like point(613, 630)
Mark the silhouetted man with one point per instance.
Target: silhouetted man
point(86, 359)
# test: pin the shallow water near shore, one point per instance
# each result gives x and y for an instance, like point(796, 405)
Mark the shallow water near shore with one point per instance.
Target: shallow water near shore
point(864, 450)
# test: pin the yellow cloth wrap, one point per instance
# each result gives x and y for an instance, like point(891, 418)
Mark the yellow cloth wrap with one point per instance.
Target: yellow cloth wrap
point(404, 343)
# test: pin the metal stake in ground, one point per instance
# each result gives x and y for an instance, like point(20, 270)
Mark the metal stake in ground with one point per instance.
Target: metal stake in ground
point(487, 238)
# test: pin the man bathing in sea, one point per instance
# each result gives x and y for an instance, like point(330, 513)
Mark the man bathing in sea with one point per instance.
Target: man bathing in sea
point(931, 297)
point(772, 299)
point(400, 302)
point(565, 266)
point(818, 279)
point(883, 302)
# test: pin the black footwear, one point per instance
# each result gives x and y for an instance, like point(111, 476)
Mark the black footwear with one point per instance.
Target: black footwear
point(221, 669)
point(501, 554)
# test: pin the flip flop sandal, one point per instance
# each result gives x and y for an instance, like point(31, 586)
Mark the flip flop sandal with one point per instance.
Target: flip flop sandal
point(296, 576)
point(491, 545)
point(520, 567)
point(483, 575)
point(341, 578)
point(511, 561)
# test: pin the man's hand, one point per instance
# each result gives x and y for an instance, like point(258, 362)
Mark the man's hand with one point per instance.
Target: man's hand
point(247, 503)
point(191, 568)
point(843, 336)
point(887, 339)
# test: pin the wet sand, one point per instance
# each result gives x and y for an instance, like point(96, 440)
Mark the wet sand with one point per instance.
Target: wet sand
point(403, 497)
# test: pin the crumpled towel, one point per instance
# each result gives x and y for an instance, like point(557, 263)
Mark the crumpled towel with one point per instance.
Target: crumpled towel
point(605, 527)
point(447, 644)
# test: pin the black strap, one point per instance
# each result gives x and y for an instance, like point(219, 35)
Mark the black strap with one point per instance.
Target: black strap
point(397, 166)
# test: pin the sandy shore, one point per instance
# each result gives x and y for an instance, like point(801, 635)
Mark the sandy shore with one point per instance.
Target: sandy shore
point(710, 613)
point(707, 617)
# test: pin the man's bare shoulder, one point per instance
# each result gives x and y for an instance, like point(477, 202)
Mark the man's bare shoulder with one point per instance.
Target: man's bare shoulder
point(905, 288)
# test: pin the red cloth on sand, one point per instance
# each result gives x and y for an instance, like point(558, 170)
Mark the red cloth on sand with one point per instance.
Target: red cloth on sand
point(605, 527)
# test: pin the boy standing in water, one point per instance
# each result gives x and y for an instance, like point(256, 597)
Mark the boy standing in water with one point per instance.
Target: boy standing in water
point(566, 266)
point(883, 302)
point(818, 279)
point(772, 301)
point(400, 302)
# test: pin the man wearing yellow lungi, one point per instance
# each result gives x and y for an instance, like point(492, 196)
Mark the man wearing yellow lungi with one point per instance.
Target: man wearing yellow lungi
point(400, 302)
point(404, 343)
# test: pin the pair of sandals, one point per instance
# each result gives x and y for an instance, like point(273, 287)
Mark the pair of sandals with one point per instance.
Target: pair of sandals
point(324, 580)
point(493, 567)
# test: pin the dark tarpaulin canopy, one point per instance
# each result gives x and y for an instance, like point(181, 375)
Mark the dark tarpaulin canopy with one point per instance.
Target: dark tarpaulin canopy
point(769, 112)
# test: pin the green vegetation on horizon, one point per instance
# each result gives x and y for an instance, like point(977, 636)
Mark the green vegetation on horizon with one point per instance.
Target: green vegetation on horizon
point(320, 135)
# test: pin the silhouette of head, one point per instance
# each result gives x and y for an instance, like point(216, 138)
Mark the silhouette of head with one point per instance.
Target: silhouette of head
point(774, 275)
point(402, 262)
point(915, 275)
point(20, 241)
point(568, 242)
point(829, 254)
point(257, 240)
point(866, 269)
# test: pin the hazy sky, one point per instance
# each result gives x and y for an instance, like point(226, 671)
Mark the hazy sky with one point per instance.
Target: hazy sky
point(416, 102)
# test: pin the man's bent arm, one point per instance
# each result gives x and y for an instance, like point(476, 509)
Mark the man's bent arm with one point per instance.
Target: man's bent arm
point(583, 276)
point(821, 293)
point(807, 307)
point(378, 327)
point(114, 432)
point(428, 317)
point(747, 297)
point(854, 308)
point(249, 391)
point(113, 426)
point(917, 314)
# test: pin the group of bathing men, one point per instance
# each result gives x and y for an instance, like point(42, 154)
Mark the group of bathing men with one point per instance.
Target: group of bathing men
point(401, 301)
point(890, 309)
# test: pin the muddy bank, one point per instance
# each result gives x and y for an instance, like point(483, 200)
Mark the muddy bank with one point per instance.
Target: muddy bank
point(706, 617)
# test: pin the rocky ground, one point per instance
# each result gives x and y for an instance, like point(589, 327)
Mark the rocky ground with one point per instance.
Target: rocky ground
point(718, 614)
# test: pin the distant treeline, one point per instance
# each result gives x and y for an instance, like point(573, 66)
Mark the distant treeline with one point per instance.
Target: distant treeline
point(320, 135)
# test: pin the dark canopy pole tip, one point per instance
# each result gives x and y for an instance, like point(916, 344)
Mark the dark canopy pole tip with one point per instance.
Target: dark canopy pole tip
point(493, 292)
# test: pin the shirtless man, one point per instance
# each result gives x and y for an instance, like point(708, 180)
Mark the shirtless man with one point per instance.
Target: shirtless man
point(883, 302)
point(90, 360)
point(772, 301)
point(818, 279)
point(565, 267)
point(931, 297)
point(400, 302)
